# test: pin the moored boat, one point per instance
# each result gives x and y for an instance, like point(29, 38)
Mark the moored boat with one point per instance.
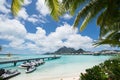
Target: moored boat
point(32, 63)
point(9, 74)
point(25, 65)
point(30, 69)
point(41, 62)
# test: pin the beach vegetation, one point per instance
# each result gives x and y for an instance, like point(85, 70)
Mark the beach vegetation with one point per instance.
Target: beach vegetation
point(109, 70)
point(1, 78)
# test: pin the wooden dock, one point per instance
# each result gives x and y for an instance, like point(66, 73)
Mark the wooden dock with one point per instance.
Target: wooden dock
point(22, 60)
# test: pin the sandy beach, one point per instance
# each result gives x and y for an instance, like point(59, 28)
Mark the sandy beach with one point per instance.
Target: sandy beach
point(62, 78)
point(68, 78)
point(42, 77)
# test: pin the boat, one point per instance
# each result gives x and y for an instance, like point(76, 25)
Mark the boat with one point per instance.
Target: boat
point(40, 62)
point(33, 63)
point(25, 65)
point(30, 69)
point(9, 74)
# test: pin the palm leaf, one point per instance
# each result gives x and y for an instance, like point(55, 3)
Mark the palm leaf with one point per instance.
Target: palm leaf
point(55, 8)
point(85, 22)
point(114, 27)
point(16, 6)
point(113, 43)
point(112, 39)
point(75, 5)
point(94, 7)
point(67, 4)
point(72, 5)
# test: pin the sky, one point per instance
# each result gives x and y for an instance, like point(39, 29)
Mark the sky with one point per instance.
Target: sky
point(33, 30)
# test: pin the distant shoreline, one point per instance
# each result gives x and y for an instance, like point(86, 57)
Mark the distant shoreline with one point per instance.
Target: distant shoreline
point(66, 54)
point(86, 54)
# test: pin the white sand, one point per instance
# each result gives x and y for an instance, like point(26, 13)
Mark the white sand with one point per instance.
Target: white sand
point(68, 78)
point(41, 77)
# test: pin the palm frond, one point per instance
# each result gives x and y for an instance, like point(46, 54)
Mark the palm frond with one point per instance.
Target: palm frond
point(67, 4)
point(85, 22)
point(105, 30)
point(55, 8)
point(92, 8)
point(72, 5)
point(112, 39)
point(113, 43)
point(75, 5)
point(16, 6)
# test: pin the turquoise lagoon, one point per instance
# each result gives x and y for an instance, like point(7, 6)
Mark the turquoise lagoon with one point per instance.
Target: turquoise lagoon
point(66, 66)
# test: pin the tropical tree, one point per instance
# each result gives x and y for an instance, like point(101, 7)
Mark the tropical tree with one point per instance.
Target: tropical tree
point(107, 12)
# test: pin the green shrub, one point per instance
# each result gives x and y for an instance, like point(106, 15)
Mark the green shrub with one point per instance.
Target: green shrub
point(109, 70)
point(1, 78)
point(94, 74)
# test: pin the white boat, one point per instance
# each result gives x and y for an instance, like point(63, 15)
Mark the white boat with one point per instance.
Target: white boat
point(33, 63)
point(30, 69)
point(9, 74)
point(41, 62)
point(25, 64)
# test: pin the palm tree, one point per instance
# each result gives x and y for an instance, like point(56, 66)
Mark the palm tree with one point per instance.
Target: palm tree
point(108, 12)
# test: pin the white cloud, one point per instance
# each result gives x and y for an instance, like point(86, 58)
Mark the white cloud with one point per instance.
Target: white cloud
point(12, 31)
point(23, 14)
point(17, 42)
point(12, 27)
point(42, 8)
point(77, 41)
point(33, 18)
point(39, 42)
point(67, 16)
point(67, 36)
point(35, 37)
point(55, 40)
point(36, 18)
point(27, 2)
point(19, 38)
point(3, 7)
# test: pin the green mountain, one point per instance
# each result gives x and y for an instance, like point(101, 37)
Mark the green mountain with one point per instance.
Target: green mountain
point(65, 50)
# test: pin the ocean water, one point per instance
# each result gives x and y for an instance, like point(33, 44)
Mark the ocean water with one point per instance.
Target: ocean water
point(66, 66)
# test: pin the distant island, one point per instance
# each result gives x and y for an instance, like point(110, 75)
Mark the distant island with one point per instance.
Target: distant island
point(71, 51)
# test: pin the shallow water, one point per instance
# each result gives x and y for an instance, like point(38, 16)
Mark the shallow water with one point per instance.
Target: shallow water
point(66, 66)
